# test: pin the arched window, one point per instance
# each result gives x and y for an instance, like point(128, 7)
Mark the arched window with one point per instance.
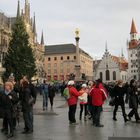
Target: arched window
point(107, 75)
point(114, 75)
point(101, 75)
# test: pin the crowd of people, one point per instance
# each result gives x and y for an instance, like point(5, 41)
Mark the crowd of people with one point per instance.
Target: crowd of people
point(16, 98)
point(91, 95)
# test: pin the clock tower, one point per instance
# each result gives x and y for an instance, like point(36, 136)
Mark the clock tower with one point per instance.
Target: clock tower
point(132, 53)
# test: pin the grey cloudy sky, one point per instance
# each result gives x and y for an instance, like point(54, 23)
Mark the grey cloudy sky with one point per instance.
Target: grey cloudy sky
point(98, 20)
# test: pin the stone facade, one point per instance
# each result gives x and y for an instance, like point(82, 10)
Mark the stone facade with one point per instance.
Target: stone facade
point(110, 68)
point(60, 62)
point(30, 23)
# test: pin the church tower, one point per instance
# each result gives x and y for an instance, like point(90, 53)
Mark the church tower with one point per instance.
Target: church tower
point(133, 36)
point(133, 32)
point(132, 53)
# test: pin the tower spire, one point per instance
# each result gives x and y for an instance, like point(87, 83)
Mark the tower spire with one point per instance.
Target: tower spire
point(34, 25)
point(42, 38)
point(106, 47)
point(18, 9)
point(133, 32)
point(133, 27)
point(122, 54)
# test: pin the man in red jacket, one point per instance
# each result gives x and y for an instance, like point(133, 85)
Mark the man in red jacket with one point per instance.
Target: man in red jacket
point(98, 96)
point(72, 102)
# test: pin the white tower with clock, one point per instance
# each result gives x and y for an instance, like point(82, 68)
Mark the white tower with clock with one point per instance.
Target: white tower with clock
point(132, 53)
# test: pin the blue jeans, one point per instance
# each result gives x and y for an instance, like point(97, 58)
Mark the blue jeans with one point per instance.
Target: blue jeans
point(28, 120)
point(45, 99)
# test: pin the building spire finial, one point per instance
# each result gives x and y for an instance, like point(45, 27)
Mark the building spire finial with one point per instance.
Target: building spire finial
point(122, 54)
point(133, 27)
point(42, 38)
point(18, 9)
point(106, 47)
point(34, 24)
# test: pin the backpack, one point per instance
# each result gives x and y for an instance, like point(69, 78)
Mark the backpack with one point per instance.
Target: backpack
point(66, 93)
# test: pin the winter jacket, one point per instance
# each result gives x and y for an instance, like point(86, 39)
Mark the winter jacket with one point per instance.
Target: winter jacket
point(84, 97)
point(98, 96)
point(119, 93)
point(73, 95)
point(133, 98)
point(7, 104)
point(25, 99)
point(51, 91)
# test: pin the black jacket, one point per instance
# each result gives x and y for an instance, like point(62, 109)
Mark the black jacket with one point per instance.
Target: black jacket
point(6, 102)
point(51, 91)
point(25, 99)
point(118, 93)
point(133, 97)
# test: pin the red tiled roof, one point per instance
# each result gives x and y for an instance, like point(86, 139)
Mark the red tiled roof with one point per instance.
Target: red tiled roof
point(122, 61)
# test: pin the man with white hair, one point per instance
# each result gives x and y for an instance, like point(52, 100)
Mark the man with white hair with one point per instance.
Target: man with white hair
point(72, 102)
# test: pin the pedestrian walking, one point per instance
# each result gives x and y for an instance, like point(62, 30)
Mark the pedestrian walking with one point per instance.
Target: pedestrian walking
point(118, 94)
point(51, 94)
point(45, 93)
point(133, 101)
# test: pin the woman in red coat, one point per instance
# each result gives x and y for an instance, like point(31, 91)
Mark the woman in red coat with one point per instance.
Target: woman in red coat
point(72, 102)
point(98, 96)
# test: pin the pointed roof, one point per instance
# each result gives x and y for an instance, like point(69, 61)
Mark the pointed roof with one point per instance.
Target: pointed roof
point(42, 39)
point(18, 9)
point(34, 25)
point(133, 27)
point(106, 47)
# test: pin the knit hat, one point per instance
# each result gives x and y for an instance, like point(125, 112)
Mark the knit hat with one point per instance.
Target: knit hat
point(84, 85)
point(71, 83)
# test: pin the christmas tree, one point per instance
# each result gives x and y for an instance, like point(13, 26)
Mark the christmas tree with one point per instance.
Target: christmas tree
point(19, 59)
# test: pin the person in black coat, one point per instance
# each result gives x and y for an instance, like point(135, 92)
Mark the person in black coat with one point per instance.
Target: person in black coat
point(51, 94)
point(133, 100)
point(27, 102)
point(118, 93)
point(8, 99)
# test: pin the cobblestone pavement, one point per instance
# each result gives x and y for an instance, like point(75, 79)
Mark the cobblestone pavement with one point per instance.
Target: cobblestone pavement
point(53, 125)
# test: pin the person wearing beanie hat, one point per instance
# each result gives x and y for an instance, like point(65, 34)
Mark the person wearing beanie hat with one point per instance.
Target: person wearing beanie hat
point(83, 101)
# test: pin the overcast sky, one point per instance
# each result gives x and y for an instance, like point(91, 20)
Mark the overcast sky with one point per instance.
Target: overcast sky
point(98, 20)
